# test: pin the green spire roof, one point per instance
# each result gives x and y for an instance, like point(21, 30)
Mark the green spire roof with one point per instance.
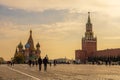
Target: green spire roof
point(20, 45)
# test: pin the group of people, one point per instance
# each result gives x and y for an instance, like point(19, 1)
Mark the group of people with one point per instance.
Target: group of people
point(39, 62)
point(45, 62)
point(10, 63)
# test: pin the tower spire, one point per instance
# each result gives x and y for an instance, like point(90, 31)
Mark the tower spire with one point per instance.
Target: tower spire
point(30, 41)
point(30, 32)
point(89, 33)
point(89, 21)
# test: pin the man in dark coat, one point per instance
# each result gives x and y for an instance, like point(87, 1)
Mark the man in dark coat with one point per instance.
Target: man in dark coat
point(40, 63)
point(54, 62)
point(45, 61)
point(30, 62)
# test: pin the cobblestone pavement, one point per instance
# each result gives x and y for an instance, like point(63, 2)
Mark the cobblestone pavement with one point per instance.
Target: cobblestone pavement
point(60, 72)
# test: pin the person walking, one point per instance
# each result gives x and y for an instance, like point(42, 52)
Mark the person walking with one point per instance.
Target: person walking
point(11, 63)
point(36, 62)
point(33, 63)
point(40, 63)
point(50, 64)
point(54, 62)
point(30, 62)
point(45, 61)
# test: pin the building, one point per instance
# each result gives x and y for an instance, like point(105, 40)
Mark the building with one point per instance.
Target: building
point(62, 60)
point(29, 52)
point(89, 46)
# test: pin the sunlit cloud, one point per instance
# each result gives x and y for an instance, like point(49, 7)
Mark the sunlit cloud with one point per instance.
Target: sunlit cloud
point(112, 38)
point(54, 35)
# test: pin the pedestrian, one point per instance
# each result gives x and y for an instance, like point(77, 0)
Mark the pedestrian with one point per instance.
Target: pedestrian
point(45, 61)
point(40, 63)
point(50, 64)
point(54, 62)
point(13, 63)
point(30, 62)
point(33, 63)
point(36, 62)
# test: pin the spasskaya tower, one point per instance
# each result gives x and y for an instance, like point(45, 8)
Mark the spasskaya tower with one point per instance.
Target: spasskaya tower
point(89, 42)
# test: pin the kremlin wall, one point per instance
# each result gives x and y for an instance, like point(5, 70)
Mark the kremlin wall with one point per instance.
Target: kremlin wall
point(89, 46)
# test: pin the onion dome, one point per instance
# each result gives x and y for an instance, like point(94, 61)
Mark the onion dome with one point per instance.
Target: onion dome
point(20, 45)
point(27, 45)
point(37, 45)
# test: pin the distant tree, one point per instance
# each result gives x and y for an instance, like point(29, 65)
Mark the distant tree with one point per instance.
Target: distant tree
point(19, 58)
point(1, 60)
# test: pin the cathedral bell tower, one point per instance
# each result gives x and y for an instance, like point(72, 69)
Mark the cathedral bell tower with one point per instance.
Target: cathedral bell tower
point(89, 42)
point(30, 41)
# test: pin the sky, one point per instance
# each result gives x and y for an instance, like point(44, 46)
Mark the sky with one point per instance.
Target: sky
point(58, 25)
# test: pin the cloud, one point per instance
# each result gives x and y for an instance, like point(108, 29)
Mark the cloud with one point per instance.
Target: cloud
point(41, 5)
point(103, 6)
point(54, 35)
point(112, 38)
point(49, 16)
point(54, 30)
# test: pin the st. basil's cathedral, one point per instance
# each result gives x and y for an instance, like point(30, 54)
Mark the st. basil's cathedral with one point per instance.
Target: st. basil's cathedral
point(29, 53)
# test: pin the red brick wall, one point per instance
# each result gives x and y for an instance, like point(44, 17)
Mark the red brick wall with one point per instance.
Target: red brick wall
point(108, 52)
point(80, 55)
point(89, 46)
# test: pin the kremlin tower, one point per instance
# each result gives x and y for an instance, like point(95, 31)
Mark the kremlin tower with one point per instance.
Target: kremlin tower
point(89, 47)
point(89, 42)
